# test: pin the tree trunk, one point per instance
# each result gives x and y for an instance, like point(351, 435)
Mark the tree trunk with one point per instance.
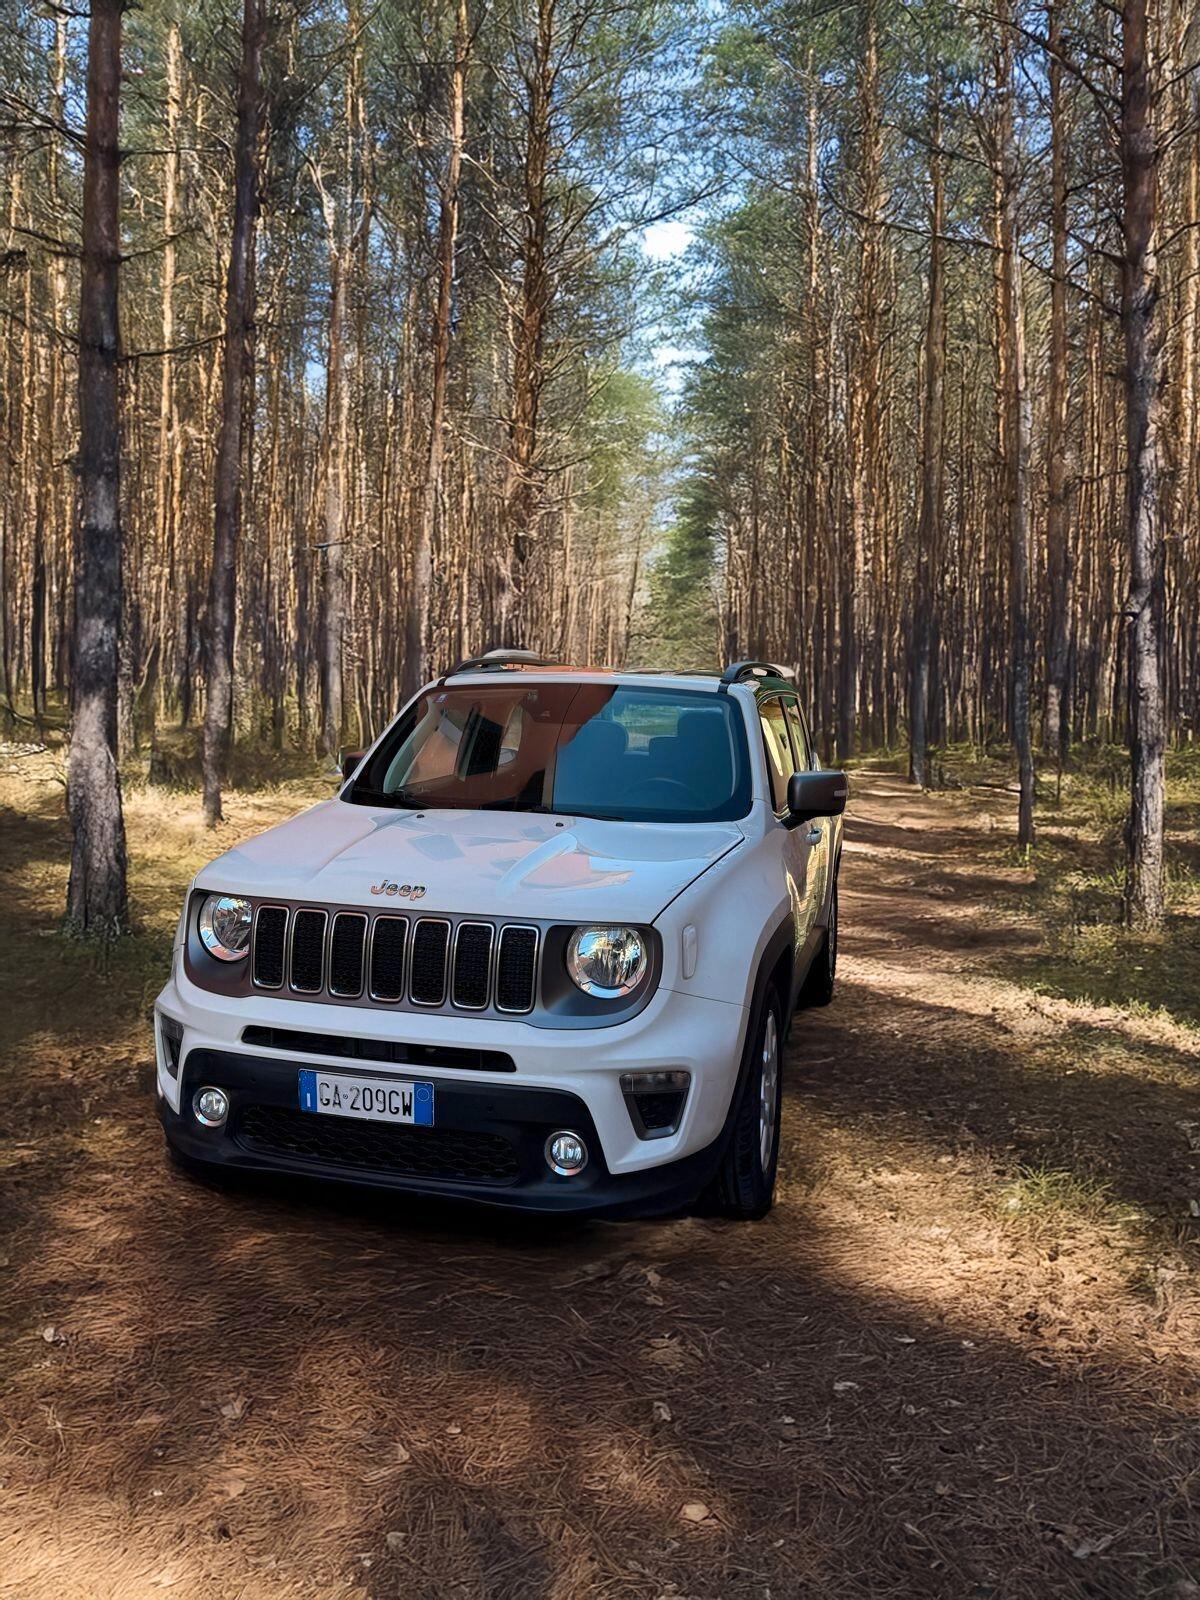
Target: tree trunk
point(1144, 894)
point(520, 495)
point(337, 430)
point(929, 528)
point(166, 497)
point(239, 332)
point(416, 663)
point(865, 389)
point(1056, 729)
point(96, 894)
point(1018, 426)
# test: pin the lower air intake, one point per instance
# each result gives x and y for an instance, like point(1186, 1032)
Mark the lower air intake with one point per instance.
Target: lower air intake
point(438, 1154)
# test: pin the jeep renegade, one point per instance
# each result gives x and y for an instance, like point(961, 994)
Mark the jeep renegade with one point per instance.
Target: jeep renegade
point(541, 949)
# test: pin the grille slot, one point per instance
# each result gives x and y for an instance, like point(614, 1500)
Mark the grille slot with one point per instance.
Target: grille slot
point(516, 969)
point(427, 979)
point(270, 947)
point(472, 965)
point(346, 954)
point(445, 1154)
point(389, 937)
point(308, 951)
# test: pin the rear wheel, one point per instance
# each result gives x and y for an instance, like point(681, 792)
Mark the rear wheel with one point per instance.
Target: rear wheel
point(744, 1187)
point(817, 989)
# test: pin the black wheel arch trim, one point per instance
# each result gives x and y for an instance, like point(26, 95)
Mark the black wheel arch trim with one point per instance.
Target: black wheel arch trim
point(781, 943)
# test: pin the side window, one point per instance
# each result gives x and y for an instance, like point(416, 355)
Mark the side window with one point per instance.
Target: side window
point(779, 750)
point(800, 744)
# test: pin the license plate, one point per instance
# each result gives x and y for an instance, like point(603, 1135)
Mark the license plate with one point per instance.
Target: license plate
point(374, 1099)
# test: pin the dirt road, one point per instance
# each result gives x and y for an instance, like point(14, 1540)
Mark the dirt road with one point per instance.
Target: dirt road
point(958, 1360)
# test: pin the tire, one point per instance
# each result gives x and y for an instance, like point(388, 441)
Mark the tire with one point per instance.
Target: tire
point(817, 988)
point(744, 1186)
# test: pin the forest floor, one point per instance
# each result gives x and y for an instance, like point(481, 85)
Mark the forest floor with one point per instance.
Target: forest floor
point(959, 1359)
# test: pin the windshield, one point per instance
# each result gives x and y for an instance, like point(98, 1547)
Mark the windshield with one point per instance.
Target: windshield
point(587, 749)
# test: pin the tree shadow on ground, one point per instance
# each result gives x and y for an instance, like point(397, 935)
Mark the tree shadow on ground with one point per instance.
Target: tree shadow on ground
point(261, 1393)
point(1061, 1096)
point(280, 1393)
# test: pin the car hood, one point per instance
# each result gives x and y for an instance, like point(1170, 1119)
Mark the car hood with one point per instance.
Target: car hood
point(491, 863)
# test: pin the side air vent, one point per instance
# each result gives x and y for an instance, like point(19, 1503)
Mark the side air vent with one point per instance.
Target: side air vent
point(346, 954)
point(516, 969)
point(388, 940)
point(472, 965)
point(308, 951)
point(427, 979)
point(270, 950)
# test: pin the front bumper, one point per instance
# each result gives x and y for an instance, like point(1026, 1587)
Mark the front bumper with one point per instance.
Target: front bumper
point(562, 1080)
point(487, 1146)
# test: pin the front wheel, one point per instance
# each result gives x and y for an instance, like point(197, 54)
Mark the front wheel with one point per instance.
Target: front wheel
point(744, 1187)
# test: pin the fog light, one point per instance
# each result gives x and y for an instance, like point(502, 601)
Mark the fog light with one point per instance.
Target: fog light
point(566, 1154)
point(211, 1107)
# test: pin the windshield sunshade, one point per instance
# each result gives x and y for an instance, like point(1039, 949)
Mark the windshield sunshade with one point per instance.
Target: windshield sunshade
point(599, 750)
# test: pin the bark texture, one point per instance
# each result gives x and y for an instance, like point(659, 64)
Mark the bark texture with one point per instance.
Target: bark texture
point(96, 895)
point(1018, 426)
point(416, 617)
point(236, 358)
point(1140, 317)
point(929, 527)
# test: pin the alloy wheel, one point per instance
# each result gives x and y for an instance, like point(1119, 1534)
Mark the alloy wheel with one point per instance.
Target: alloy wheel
point(768, 1102)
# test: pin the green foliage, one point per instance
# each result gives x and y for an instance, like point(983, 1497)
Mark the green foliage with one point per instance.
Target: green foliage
point(623, 430)
point(1050, 1201)
point(679, 627)
point(1077, 881)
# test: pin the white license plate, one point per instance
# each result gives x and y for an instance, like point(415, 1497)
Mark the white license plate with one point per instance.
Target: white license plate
point(374, 1099)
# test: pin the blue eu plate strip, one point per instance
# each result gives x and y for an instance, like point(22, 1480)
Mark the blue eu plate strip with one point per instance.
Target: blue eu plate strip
point(423, 1105)
point(308, 1091)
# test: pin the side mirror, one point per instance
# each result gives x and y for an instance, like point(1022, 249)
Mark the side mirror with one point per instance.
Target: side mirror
point(817, 794)
point(348, 760)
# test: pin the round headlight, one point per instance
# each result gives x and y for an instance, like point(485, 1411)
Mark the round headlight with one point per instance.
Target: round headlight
point(606, 962)
point(225, 926)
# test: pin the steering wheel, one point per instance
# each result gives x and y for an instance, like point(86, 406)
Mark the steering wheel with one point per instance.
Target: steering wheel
point(657, 783)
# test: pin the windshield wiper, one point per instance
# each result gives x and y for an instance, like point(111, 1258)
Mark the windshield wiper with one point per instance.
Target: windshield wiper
point(376, 797)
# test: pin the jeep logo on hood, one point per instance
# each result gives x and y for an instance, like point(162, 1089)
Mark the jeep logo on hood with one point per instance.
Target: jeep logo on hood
point(406, 891)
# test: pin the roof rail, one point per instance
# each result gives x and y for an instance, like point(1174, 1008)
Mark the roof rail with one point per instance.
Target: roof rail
point(498, 660)
point(737, 671)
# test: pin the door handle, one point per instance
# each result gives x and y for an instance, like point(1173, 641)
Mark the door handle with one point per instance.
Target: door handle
point(814, 834)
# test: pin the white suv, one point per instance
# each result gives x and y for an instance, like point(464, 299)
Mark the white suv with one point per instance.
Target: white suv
point(541, 950)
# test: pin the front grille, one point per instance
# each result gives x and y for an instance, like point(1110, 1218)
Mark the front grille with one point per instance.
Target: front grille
point(516, 969)
point(446, 1154)
point(472, 965)
point(427, 982)
point(270, 950)
point(392, 959)
point(308, 951)
point(388, 940)
point(346, 954)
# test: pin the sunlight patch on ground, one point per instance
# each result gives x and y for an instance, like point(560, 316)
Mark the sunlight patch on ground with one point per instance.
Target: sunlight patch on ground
point(1014, 1008)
